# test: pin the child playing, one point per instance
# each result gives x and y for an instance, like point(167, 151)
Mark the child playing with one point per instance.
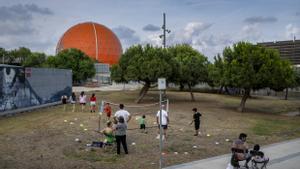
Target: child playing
point(82, 100)
point(73, 101)
point(107, 110)
point(196, 120)
point(93, 100)
point(64, 101)
point(258, 156)
point(142, 122)
point(121, 134)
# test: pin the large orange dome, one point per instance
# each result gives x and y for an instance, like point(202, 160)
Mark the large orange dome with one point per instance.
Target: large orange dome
point(95, 40)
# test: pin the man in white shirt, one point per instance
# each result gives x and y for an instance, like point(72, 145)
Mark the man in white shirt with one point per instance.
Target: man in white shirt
point(164, 121)
point(126, 115)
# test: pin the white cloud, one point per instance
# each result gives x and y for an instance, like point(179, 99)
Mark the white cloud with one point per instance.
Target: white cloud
point(291, 31)
point(127, 36)
point(250, 32)
point(195, 29)
point(192, 34)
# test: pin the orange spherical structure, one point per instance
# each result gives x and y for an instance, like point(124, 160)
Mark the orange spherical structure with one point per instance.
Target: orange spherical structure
point(95, 40)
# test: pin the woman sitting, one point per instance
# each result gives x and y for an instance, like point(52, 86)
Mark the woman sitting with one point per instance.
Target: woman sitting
point(109, 133)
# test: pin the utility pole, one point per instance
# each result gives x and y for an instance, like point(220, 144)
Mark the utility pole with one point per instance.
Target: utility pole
point(165, 30)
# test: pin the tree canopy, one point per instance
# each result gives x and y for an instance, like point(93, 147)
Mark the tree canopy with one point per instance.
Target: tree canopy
point(82, 66)
point(251, 67)
point(191, 66)
point(144, 64)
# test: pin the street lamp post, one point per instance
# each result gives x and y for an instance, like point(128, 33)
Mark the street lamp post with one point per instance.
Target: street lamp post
point(165, 30)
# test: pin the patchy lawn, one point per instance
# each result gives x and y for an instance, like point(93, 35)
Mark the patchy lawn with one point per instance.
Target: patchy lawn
point(42, 138)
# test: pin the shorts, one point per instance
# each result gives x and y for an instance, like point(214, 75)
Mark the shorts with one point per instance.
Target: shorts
point(82, 103)
point(108, 114)
point(165, 127)
point(197, 125)
point(142, 126)
point(64, 101)
point(93, 103)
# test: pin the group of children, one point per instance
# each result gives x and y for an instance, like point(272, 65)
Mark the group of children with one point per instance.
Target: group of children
point(115, 130)
point(82, 101)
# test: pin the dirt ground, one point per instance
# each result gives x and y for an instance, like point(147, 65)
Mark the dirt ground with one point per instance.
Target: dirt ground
point(41, 139)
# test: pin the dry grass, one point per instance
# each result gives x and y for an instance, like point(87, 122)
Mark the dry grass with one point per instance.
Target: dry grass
point(41, 138)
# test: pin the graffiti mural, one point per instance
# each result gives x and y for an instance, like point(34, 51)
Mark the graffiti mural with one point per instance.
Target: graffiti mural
point(24, 87)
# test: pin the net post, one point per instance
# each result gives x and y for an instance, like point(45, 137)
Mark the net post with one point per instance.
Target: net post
point(100, 114)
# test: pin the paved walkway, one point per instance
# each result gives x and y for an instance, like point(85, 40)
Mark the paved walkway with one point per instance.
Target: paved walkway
point(284, 155)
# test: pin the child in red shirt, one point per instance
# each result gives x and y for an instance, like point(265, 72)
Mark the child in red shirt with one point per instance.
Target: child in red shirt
point(93, 100)
point(107, 110)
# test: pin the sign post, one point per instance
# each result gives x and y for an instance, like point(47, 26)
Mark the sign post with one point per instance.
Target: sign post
point(161, 86)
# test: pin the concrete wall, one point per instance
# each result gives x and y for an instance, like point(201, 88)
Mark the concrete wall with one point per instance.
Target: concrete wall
point(27, 87)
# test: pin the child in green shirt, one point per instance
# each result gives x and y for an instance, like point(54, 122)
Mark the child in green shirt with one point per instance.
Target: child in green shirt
point(142, 122)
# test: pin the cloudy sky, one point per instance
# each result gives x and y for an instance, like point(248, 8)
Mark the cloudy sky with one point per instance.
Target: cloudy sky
point(207, 25)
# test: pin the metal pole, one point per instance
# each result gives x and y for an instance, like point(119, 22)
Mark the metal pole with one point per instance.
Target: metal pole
point(160, 130)
point(164, 30)
point(100, 114)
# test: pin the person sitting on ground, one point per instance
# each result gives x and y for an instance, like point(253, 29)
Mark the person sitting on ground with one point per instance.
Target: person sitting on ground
point(240, 151)
point(108, 133)
point(142, 122)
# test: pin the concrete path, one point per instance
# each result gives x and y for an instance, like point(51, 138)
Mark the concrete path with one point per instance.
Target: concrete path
point(284, 155)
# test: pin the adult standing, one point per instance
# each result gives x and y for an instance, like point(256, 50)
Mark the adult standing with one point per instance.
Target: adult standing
point(196, 120)
point(124, 113)
point(121, 135)
point(164, 121)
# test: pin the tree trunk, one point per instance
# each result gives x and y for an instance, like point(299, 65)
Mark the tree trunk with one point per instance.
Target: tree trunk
point(226, 90)
point(221, 89)
point(286, 93)
point(181, 87)
point(143, 92)
point(192, 94)
point(244, 99)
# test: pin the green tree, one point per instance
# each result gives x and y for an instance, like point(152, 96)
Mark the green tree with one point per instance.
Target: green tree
point(191, 68)
point(216, 72)
point(144, 65)
point(82, 66)
point(36, 59)
point(3, 55)
point(18, 56)
point(251, 67)
point(285, 75)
